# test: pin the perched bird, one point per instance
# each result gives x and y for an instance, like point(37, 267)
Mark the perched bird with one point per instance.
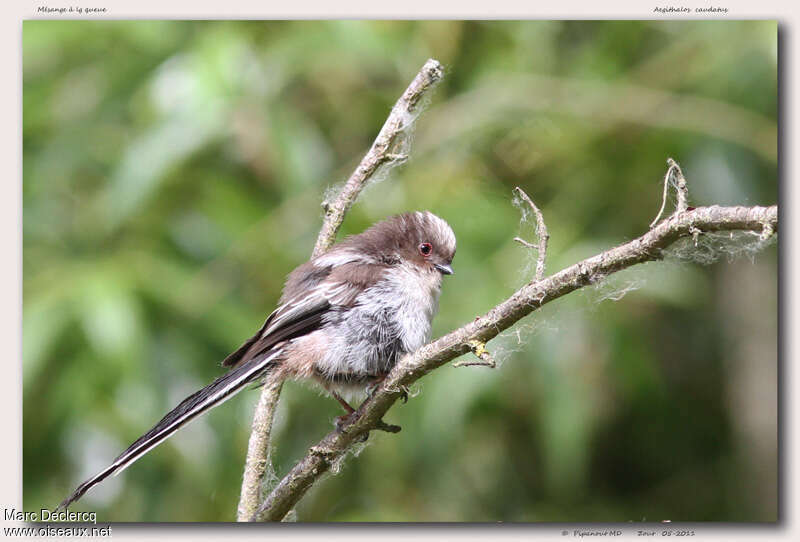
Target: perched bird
point(343, 321)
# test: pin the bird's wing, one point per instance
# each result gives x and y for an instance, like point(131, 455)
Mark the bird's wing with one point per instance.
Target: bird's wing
point(304, 308)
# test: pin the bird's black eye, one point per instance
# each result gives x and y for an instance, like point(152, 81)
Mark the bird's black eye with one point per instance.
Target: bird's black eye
point(425, 249)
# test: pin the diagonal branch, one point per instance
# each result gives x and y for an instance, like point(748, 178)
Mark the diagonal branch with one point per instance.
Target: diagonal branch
point(258, 462)
point(527, 299)
point(541, 232)
point(388, 151)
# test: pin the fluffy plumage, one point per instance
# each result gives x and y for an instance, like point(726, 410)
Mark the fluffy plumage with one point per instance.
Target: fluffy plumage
point(343, 321)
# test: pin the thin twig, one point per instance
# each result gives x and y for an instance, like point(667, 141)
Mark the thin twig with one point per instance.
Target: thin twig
point(258, 449)
point(485, 359)
point(681, 186)
point(524, 243)
point(675, 177)
point(527, 299)
point(384, 151)
point(541, 231)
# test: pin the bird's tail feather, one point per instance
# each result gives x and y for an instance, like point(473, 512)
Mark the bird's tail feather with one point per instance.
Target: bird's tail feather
point(217, 392)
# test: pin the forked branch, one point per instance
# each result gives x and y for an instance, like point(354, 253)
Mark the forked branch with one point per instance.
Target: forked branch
point(386, 151)
point(541, 231)
point(532, 296)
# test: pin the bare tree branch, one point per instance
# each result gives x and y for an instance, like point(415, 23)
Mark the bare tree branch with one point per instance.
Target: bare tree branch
point(648, 247)
point(680, 186)
point(387, 149)
point(675, 177)
point(258, 449)
point(541, 232)
point(390, 138)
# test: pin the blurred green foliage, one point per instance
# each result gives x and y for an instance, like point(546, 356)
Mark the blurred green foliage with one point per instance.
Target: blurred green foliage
point(173, 173)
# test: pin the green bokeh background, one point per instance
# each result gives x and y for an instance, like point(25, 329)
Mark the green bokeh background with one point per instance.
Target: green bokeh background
point(173, 173)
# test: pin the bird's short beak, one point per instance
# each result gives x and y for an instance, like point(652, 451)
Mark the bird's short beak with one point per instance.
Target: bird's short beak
point(444, 269)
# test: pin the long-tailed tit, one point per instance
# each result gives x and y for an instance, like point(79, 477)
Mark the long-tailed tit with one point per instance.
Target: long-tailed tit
point(343, 321)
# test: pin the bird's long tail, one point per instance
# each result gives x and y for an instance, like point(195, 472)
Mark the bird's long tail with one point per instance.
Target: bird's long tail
point(217, 392)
